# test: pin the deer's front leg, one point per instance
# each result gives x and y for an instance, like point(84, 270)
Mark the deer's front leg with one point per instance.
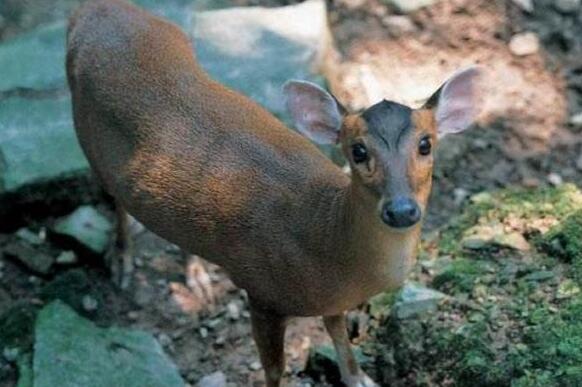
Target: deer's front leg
point(269, 334)
point(351, 373)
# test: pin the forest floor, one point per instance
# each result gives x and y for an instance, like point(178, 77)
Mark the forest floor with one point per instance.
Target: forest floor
point(523, 140)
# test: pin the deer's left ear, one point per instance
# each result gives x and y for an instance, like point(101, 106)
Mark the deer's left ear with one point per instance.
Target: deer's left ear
point(457, 102)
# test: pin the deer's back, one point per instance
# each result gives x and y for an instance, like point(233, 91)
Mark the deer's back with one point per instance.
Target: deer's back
point(200, 165)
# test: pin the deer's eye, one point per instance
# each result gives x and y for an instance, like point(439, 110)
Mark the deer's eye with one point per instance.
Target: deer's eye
point(424, 146)
point(359, 153)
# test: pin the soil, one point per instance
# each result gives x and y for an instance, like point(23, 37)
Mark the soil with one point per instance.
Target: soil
point(522, 139)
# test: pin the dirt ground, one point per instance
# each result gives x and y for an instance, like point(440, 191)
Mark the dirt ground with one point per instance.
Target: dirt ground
point(522, 139)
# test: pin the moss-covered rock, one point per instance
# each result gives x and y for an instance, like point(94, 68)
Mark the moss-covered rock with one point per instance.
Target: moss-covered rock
point(513, 316)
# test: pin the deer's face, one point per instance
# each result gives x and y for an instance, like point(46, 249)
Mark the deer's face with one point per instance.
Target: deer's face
point(390, 150)
point(389, 146)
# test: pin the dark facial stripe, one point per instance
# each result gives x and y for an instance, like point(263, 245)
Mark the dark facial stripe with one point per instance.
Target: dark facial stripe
point(389, 121)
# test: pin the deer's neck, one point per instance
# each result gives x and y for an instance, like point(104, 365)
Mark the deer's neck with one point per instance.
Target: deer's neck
point(383, 256)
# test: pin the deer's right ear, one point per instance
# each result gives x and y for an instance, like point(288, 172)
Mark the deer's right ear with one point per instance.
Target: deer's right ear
point(316, 113)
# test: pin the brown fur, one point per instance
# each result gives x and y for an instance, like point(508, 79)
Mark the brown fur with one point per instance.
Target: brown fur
point(211, 171)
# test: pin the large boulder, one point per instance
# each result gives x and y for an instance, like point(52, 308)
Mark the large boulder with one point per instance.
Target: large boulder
point(253, 50)
point(70, 351)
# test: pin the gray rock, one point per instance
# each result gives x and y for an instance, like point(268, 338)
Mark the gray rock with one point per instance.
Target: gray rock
point(67, 258)
point(399, 24)
point(576, 121)
point(29, 236)
point(415, 299)
point(87, 226)
point(407, 6)
point(37, 142)
point(526, 43)
point(34, 60)
point(526, 5)
point(567, 6)
point(34, 259)
point(216, 379)
point(70, 351)
point(256, 50)
point(579, 162)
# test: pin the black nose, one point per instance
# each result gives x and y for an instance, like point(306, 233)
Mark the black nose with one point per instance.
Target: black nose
point(401, 212)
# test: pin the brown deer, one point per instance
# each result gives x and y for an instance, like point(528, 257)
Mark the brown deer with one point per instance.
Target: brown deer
point(211, 171)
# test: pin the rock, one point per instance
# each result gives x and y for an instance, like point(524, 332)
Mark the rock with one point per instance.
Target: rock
point(513, 240)
point(70, 351)
point(25, 375)
point(29, 236)
point(526, 43)
point(415, 299)
point(88, 227)
point(216, 379)
point(459, 195)
point(90, 304)
point(399, 24)
point(34, 259)
point(555, 179)
point(34, 136)
point(256, 50)
point(34, 60)
point(322, 361)
point(233, 310)
point(407, 6)
point(11, 354)
point(579, 162)
point(67, 258)
point(567, 6)
point(526, 5)
point(576, 121)
point(255, 366)
point(567, 289)
point(538, 276)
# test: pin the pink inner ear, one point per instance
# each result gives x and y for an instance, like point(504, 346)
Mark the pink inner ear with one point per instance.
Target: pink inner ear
point(313, 110)
point(458, 103)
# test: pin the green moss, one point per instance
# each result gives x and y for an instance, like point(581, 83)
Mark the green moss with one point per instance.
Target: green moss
point(17, 326)
point(565, 240)
point(461, 274)
point(520, 206)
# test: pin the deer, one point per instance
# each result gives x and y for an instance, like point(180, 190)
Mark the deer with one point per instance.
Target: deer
point(213, 172)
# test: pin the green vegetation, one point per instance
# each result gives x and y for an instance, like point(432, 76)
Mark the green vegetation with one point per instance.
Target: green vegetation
point(515, 313)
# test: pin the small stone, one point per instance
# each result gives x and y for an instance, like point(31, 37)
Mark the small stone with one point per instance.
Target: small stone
point(524, 44)
point(164, 340)
point(567, 6)
point(255, 366)
point(579, 162)
point(138, 262)
point(407, 6)
point(513, 240)
point(133, 315)
point(11, 354)
point(233, 311)
point(216, 379)
point(398, 24)
point(415, 299)
point(220, 340)
point(29, 236)
point(459, 195)
point(33, 259)
point(526, 5)
point(203, 332)
point(555, 179)
point(67, 258)
point(88, 227)
point(90, 304)
point(576, 121)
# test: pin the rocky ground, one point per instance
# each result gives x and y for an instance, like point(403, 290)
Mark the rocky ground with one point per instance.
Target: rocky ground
point(495, 299)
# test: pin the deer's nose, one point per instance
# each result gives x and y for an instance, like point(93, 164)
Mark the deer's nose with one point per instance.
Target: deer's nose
point(401, 213)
